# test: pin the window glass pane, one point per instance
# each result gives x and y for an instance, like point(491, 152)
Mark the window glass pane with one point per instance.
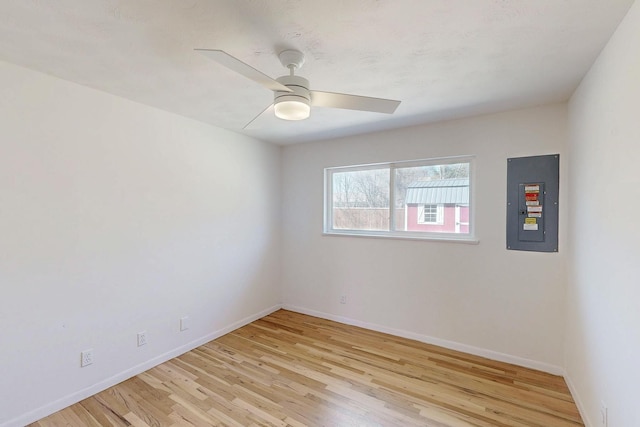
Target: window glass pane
point(430, 214)
point(361, 199)
point(432, 199)
point(427, 198)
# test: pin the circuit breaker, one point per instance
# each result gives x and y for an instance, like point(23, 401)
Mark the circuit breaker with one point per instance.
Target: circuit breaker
point(532, 203)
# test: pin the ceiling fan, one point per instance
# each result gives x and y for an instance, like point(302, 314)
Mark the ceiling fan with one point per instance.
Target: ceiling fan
point(292, 98)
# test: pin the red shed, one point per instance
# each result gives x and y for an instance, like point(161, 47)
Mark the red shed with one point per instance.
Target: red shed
point(438, 206)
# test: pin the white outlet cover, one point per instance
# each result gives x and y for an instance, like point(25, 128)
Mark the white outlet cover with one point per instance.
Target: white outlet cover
point(86, 358)
point(184, 323)
point(142, 338)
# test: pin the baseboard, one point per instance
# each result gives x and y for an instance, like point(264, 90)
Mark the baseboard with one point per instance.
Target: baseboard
point(115, 379)
point(452, 345)
point(69, 400)
point(576, 398)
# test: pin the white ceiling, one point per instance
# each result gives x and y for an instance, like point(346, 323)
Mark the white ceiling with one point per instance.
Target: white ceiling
point(442, 58)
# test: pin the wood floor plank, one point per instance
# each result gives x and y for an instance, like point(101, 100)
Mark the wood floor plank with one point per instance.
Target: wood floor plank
point(289, 369)
point(104, 415)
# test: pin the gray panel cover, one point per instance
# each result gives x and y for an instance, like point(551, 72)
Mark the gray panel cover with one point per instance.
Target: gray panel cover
point(542, 171)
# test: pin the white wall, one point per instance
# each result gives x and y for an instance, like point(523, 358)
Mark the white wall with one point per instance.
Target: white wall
point(115, 218)
point(480, 298)
point(603, 316)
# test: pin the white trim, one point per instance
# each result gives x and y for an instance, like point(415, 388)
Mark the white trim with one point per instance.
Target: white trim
point(406, 216)
point(435, 237)
point(576, 398)
point(452, 345)
point(408, 163)
point(69, 400)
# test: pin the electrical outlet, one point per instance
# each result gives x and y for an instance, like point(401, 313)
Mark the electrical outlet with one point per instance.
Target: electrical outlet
point(86, 358)
point(604, 415)
point(142, 338)
point(343, 299)
point(184, 323)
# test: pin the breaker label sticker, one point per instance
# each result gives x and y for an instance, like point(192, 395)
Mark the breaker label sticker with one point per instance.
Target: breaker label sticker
point(534, 207)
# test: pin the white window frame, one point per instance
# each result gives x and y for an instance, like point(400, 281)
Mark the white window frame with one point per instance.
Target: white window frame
point(439, 214)
point(328, 229)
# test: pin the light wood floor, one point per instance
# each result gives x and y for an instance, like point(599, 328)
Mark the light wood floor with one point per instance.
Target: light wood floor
point(292, 369)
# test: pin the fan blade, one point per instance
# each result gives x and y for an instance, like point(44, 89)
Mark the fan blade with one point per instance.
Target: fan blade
point(353, 102)
point(234, 64)
point(268, 109)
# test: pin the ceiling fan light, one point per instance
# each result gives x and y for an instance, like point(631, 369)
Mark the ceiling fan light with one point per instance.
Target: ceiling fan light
point(292, 108)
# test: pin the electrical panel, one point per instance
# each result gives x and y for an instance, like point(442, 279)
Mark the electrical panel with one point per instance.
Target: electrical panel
point(532, 203)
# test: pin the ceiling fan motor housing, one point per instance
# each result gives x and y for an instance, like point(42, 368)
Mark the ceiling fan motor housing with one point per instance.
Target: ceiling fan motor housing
point(299, 99)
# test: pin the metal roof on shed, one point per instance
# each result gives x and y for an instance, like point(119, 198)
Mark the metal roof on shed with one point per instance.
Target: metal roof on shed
point(442, 191)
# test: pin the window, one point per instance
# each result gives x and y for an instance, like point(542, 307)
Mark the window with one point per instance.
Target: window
point(430, 214)
point(414, 199)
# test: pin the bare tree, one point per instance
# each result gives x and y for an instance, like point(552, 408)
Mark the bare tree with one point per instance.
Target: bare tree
point(361, 199)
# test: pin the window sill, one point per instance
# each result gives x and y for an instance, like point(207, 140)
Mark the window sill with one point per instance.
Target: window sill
point(469, 240)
